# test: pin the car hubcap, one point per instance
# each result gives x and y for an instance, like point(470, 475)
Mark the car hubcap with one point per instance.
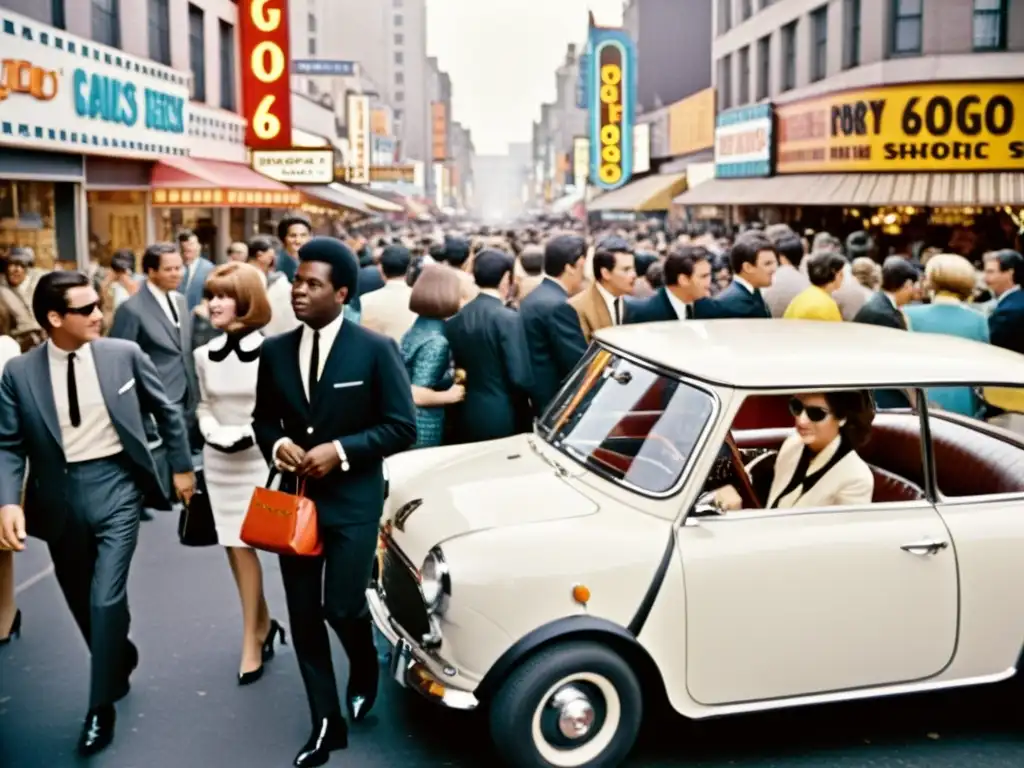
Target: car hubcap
point(575, 712)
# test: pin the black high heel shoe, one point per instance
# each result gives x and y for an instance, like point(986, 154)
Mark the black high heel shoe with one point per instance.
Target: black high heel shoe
point(15, 630)
point(276, 631)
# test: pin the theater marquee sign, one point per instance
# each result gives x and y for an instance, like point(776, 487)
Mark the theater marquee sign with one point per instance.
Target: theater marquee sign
point(953, 126)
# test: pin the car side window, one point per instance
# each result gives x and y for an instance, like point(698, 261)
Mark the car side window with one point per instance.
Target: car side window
point(628, 422)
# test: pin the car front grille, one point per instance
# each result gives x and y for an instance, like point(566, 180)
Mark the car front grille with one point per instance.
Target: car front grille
point(402, 596)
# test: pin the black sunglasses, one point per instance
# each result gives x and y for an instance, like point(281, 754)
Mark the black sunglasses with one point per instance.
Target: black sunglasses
point(814, 412)
point(85, 310)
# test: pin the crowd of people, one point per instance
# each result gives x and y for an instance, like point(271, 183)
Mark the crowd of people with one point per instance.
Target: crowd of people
point(312, 359)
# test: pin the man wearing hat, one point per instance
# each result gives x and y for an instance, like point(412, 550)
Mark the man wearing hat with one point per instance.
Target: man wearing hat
point(331, 419)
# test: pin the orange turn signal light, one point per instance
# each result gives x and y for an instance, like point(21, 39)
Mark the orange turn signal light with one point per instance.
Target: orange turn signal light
point(581, 594)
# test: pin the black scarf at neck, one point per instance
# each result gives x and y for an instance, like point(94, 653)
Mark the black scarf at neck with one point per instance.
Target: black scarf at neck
point(804, 481)
point(233, 343)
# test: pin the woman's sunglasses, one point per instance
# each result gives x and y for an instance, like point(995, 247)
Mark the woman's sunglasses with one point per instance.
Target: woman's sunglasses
point(814, 412)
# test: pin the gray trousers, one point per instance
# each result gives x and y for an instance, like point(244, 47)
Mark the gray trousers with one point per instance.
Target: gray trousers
point(91, 560)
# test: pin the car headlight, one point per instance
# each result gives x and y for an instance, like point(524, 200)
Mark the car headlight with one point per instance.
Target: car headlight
point(434, 580)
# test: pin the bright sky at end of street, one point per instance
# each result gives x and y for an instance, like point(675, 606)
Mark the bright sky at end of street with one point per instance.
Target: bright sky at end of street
point(502, 56)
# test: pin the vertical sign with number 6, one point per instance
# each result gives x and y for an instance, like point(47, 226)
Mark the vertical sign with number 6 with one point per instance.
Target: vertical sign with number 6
point(266, 92)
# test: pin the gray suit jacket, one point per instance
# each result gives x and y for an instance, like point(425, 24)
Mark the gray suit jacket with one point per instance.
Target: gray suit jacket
point(193, 289)
point(145, 420)
point(141, 319)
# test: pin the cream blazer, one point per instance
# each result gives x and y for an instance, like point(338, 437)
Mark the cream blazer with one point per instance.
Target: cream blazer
point(849, 483)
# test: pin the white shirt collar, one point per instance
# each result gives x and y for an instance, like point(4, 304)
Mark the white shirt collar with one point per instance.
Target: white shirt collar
point(677, 304)
point(744, 284)
point(1007, 292)
point(892, 299)
point(609, 300)
point(160, 293)
point(327, 334)
point(58, 355)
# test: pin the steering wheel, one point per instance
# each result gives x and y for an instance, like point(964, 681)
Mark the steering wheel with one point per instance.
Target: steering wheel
point(746, 487)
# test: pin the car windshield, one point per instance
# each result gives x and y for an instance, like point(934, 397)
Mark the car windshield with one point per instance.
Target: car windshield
point(628, 422)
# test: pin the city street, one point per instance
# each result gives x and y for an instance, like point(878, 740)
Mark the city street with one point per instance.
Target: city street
point(184, 709)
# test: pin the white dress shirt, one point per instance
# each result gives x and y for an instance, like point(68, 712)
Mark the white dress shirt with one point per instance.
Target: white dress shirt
point(95, 437)
point(678, 306)
point(612, 302)
point(163, 298)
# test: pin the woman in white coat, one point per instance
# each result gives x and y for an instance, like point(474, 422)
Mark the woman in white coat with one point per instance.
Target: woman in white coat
point(10, 616)
point(233, 465)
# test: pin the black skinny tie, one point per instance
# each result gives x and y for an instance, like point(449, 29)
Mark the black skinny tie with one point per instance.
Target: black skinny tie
point(689, 311)
point(174, 312)
point(314, 365)
point(73, 410)
point(618, 311)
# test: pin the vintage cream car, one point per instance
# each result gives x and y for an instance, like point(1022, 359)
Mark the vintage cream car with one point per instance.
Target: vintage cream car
point(570, 580)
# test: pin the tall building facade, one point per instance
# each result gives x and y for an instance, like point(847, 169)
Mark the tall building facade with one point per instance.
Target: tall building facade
point(785, 50)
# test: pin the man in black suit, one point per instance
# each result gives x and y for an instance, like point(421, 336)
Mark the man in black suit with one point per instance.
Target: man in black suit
point(899, 285)
point(332, 401)
point(1004, 273)
point(685, 293)
point(487, 342)
point(753, 260)
point(554, 339)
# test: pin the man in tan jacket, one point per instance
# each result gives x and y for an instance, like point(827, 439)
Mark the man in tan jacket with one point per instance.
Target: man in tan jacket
point(603, 303)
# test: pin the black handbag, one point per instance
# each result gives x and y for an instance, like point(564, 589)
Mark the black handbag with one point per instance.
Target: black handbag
point(195, 523)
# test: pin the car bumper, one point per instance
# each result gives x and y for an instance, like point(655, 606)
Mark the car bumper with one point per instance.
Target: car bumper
point(409, 666)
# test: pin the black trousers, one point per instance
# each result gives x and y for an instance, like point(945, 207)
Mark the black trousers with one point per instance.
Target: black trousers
point(91, 558)
point(332, 588)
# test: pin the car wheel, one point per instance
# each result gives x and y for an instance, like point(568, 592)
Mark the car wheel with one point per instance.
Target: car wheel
point(577, 704)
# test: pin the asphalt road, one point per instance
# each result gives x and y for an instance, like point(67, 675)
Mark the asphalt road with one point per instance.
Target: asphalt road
point(185, 710)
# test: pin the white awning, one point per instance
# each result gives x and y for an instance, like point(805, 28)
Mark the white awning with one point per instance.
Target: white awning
point(651, 193)
point(371, 201)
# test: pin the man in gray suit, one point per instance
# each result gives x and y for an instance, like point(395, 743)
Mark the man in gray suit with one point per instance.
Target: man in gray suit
point(158, 320)
point(195, 268)
point(74, 411)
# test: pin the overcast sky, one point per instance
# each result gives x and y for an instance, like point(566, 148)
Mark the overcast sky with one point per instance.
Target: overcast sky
point(502, 56)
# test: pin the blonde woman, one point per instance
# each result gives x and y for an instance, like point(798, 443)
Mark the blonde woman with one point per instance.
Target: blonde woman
point(233, 465)
point(951, 280)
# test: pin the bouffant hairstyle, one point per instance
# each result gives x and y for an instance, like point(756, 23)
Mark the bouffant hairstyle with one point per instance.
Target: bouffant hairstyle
point(436, 293)
point(243, 283)
point(951, 273)
point(858, 409)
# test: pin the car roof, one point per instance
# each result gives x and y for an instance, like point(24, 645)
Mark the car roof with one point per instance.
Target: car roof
point(769, 354)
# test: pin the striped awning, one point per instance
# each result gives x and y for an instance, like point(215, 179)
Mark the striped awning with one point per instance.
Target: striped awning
point(935, 190)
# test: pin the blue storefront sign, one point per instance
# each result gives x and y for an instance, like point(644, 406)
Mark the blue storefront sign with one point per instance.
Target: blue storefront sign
point(744, 142)
point(317, 67)
point(611, 94)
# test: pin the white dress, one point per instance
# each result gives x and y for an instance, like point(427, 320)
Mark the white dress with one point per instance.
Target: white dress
point(226, 368)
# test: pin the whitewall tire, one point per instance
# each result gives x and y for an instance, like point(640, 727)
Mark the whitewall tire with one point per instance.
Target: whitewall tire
point(572, 705)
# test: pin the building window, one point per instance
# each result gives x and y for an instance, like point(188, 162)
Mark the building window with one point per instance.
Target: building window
point(197, 51)
point(851, 31)
point(227, 66)
point(819, 43)
point(989, 25)
point(106, 22)
point(766, 3)
point(399, 57)
point(724, 16)
point(906, 26)
point(398, 114)
point(312, 89)
point(789, 56)
point(399, 78)
point(399, 20)
point(399, 38)
point(764, 67)
point(311, 44)
point(724, 83)
point(746, 9)
point(398, 3)
point(399, 96)
point(311, 23)
point(744, 95)
point(60, 20)
point(160, 31)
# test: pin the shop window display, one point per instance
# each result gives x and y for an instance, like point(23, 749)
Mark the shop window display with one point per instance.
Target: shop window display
point(27, 219)
point(117, 221)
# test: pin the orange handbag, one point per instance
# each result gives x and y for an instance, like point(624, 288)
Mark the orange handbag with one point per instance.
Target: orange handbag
point(282, 523)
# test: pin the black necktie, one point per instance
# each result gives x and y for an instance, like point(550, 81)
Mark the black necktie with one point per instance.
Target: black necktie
point(174, 312)
point(75, 413)
point(762, 302)
point(314, 365)
point(689, 311)
point(618, 311)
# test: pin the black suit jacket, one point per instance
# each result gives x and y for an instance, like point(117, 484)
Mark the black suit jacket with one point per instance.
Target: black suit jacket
point(363, 399)
point(737, 301)
point(1006, 323)
point(878, 310)
point(659, 308)
point(144, 419)
point(487, 341)
point(554, 340)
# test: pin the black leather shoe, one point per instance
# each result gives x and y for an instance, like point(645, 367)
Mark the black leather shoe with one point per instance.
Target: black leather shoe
point(248, 678)
point(15, 630)
point(362, 692)
point(330, 734)
point(276, 632)
point(131, 663)
point(98, 730)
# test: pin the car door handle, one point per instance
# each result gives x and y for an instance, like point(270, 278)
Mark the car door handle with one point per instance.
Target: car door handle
point(924, 547)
